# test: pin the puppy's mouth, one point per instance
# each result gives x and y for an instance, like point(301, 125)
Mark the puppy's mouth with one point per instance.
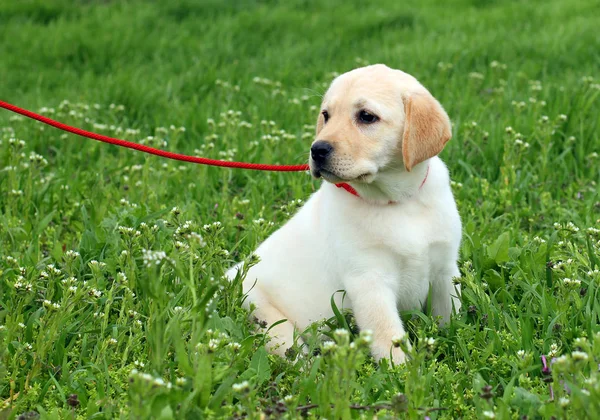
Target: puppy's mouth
point(328, 176)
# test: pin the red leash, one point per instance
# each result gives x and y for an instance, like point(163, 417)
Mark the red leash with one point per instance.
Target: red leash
point(151, 150)
point(348, 188)
point(170, 155)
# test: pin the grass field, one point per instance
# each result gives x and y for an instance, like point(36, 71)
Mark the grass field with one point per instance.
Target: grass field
point(112, 302)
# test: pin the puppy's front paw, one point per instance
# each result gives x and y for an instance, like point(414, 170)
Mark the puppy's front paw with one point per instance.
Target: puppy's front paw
point(384, 349)
point(398, 356)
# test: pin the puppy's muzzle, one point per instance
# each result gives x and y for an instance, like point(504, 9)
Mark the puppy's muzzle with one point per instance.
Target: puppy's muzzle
point(320, 152)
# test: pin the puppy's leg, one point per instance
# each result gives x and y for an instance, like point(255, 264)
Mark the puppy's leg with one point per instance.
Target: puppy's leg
point(444, 293)
point(374, 307)
point(282, 335)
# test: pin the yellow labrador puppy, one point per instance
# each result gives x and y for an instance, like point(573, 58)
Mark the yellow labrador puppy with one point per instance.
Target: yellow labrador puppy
point(384, 227)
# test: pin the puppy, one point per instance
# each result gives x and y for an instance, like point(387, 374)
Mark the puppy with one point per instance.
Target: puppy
point(383, 227)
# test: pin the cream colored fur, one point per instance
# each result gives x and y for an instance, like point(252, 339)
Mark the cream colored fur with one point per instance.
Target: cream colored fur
point(385, 256)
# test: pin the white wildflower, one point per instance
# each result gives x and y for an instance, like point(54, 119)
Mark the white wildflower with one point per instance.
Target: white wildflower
point(95, 293)
point(553, 352)
point(159, 382)
point(341, 333)
point(579, 356)
point(397, 340)
point(53, 270)
point(72, 254)
point(571, 283)
point(196, 237)
point(328, 346)
point(153, 258)
point(11, 260)
point(213, 344)
point(234, 346)
point(241, 387)
point(571, 226)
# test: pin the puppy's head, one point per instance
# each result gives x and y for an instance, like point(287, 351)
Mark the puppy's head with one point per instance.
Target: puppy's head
point(373, 119)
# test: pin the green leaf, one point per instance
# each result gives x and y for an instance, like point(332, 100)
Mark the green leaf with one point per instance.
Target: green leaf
point(161, 406)
point(494, 280)
point(259, 369)
point(340, 318)
point(260, 364)
point(527, 402)
point(43, 223)
point(222, 392)
point(166, 413)
point(498, 251)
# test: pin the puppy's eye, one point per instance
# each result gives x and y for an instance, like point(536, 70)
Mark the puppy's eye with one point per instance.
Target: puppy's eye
point(325, 115)
point(367, 118)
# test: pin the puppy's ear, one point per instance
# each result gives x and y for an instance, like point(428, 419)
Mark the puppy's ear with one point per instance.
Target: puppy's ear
point(427, 129)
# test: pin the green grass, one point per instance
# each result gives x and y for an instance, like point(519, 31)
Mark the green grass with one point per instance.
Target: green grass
point(76, 327)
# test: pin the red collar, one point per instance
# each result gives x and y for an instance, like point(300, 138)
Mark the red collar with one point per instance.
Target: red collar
point(352, 191)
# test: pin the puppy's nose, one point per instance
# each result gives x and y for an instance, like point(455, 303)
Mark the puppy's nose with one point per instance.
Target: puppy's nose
point(320, 151)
